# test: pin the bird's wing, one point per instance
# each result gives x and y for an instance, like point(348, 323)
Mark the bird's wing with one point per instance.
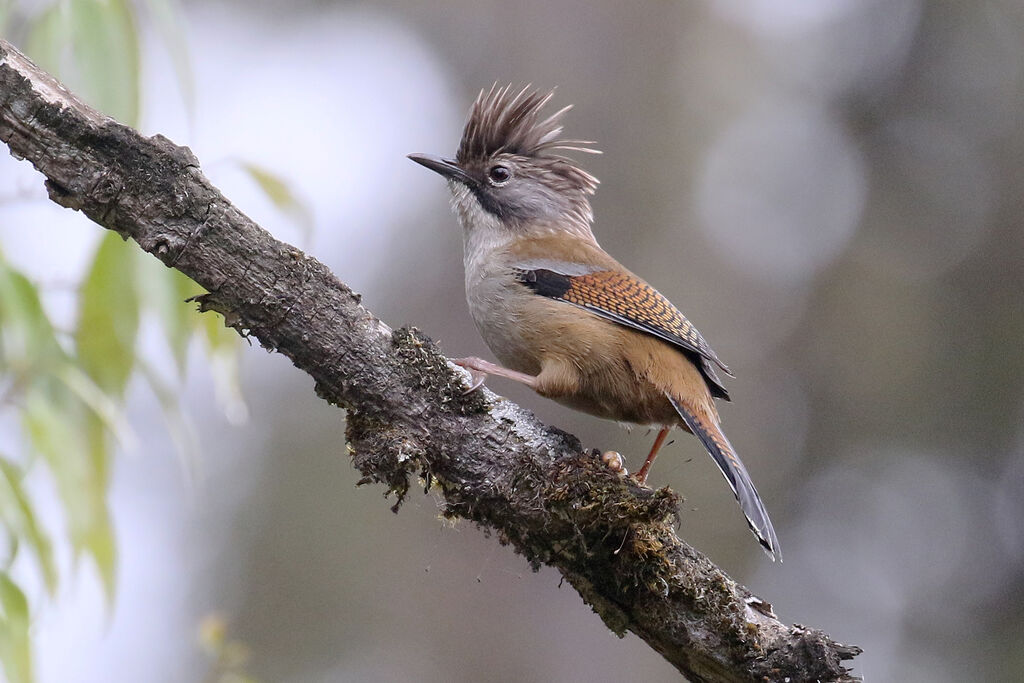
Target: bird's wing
point(627, 300)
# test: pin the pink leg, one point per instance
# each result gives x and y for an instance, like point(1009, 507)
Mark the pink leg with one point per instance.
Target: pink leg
point(641, 476)
point(480, 368)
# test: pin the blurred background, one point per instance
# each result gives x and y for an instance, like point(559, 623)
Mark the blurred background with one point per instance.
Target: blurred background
point(830, 189)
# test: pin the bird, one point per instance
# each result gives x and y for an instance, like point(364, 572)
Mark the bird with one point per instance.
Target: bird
point(560, 314)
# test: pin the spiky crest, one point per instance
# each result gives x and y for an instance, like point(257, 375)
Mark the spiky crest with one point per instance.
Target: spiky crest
point(503, 121)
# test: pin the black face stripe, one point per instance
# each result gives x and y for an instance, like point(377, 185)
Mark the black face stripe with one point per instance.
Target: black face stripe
point(487, 201)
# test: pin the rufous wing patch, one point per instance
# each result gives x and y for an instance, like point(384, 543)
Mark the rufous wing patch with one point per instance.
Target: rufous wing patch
point(627, 300)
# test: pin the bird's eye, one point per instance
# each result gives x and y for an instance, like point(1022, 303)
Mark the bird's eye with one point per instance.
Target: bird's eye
point(499, 175)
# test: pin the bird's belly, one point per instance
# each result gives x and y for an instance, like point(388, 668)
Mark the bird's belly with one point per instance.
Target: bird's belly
point(608, 362)
point(622, 397)
point(509, 347)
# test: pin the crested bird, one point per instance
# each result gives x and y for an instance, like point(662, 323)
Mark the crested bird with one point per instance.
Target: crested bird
point(562, 316)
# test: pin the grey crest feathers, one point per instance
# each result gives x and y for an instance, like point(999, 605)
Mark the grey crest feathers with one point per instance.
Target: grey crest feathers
point(503, 121)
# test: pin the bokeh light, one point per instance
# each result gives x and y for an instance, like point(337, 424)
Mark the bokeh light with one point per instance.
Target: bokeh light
point(782, 191)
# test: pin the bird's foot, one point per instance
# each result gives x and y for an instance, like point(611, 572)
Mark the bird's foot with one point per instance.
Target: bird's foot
point(480, 368)
point(640, 476)
point(614, 462)
point(477, 375)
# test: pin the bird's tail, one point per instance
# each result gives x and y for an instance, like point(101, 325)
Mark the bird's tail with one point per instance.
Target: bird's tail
point(710, 434)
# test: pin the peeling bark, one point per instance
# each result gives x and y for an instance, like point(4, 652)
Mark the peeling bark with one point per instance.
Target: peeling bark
point(408, 421)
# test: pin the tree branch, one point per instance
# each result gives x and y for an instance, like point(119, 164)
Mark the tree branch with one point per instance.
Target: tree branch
point(493, 462)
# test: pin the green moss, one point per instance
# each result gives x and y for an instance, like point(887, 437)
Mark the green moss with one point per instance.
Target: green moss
point(402, 457)
point(420, 357)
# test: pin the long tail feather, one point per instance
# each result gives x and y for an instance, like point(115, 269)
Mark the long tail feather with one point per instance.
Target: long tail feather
point(735, 473)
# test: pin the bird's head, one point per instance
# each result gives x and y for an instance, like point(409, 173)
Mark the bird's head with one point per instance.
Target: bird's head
point(509, 174)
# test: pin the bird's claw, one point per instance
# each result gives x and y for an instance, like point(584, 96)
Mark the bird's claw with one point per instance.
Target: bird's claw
point(614, 461)
point(476, 376)
point(476, 380)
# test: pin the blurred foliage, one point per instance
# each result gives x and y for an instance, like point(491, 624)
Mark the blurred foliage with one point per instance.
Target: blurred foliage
point(93, 46)
point(282, 195)
point(228, 657)
point(68, 390)
point(15, 647)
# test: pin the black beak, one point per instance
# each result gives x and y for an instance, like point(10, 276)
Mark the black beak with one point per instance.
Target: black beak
point(446, 167)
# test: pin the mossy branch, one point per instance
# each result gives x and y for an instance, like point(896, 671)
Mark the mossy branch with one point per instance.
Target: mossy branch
point(493, 462)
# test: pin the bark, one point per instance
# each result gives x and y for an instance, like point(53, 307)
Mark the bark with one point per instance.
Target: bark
point(409, 422)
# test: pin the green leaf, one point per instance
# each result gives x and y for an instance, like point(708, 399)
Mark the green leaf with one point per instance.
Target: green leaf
point(49, 40)
point(102, 406)
point(222, 347)
point(27, 339)
point(16, 510)
point(15, 646)
point(99, 539)
point(184, 312)
point(91, 45)
point(108, 316)
point(106, 57)
point(5, 15)
point(273, 186)
point(166, 292)
point(75, 446)
point(281, 194)
point(182, 432)
point(219, 336)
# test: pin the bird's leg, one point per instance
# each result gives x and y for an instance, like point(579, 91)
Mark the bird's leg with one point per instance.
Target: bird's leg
point(480, 368)
point(641, 476)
